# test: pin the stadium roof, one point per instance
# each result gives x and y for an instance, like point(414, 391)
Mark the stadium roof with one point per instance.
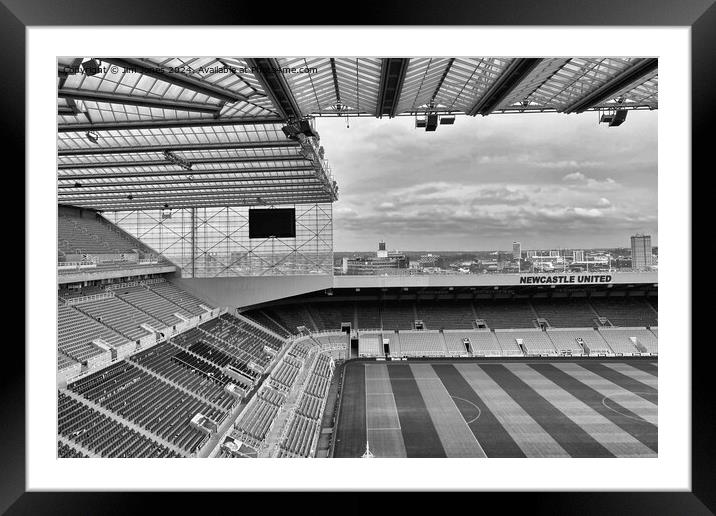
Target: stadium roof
point(192, 132)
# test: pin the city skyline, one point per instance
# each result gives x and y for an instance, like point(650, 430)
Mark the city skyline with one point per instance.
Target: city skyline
point(555, 180)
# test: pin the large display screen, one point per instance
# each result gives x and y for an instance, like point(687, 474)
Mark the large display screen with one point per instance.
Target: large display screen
point(276, 222)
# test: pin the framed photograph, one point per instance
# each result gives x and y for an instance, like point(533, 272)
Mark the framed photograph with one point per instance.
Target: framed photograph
point(436, 247)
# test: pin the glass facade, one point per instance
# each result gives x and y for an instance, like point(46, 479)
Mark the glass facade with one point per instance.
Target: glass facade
point(214, 242)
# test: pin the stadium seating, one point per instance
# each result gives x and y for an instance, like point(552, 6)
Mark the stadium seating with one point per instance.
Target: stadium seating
point(398, 315)
point(593, 341)
point(101, 434)
point(258, 416)
point(565, 340)
point(120, 316)
point(76, 331)
point(205, 381)
point(446, 314)
point(625, 311)
point(620, 340)
point(79, 235)
point(152, 303)
point(504, 313)
point(330, 316)
point(67, 452)
point(368, 316)
point(264, 320)
point(179, 297)
point(482, 342)
point(370, 344)
point(148, 402)
point(508, 342)
point(299, 437)
point(534, 342)
point(565, 312)
point(420, 343)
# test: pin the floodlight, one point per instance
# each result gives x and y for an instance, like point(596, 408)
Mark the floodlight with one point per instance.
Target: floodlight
point(91, 67)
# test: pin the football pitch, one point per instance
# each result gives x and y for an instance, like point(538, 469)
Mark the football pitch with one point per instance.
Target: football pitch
point(529, 408)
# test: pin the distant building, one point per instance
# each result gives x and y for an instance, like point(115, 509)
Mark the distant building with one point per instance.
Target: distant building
point(429, 260)
point(384, 262)
point(641, 251)
point(578, 256)
point(516, 250)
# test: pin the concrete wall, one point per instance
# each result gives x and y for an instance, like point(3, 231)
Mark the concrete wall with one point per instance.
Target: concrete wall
point(480, 280)
point(238, 292)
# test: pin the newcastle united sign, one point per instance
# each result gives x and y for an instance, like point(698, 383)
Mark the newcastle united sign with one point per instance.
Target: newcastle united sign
point(565, 279)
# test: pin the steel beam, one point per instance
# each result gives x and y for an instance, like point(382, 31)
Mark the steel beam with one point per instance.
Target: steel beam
point(134, 100)
point(197, 161)
point(275, 86)
point(516, 72)
point(620, 81)
point(442, 79)
point(191, 192)
point(177, 147)
point(392, 76)
point(253, 180)
point(176, 78)
point(335, 80)
point(167, 124)
point(183, 172)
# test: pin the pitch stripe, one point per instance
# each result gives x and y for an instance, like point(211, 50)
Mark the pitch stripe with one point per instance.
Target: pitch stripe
point(456, 437)
point(640, 406)
point(601, 429)
point(637, 374)
point(629, 422)
point(419, 434)
point(647, 367)
point(492, 436)
point(569, 434)
point(382, 423)
point(526, 432)
point(622, 380)
point(351, 432)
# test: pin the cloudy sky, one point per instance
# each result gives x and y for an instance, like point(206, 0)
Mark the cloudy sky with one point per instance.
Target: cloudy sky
point(546, 180)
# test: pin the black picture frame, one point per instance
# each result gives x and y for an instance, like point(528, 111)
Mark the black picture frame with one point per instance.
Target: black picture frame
point(17, 15)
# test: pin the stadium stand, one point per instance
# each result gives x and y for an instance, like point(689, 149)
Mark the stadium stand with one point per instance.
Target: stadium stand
point(370, 344)
point(398, 315)
point(179, 297)
point(630, 341)
point(148, 402)
point(565, 340)
point(508, 314)
point(68, 452)
point(150, 302)
point(508, 341)
point(446, 315)
point(625, 311)
point(258, 416)
point(197, 376)
point(299, 438)
point(566, 312)
point(76, 331)
point(534, 342)
point(101, 434)
point(482, 342)
point(423, 343)
point(330, 316)
point(263, 319)
point(368, 316)
point(120, 316)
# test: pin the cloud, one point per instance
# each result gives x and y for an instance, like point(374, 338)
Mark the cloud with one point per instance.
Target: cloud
point(543, 179)
point(575, 177)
